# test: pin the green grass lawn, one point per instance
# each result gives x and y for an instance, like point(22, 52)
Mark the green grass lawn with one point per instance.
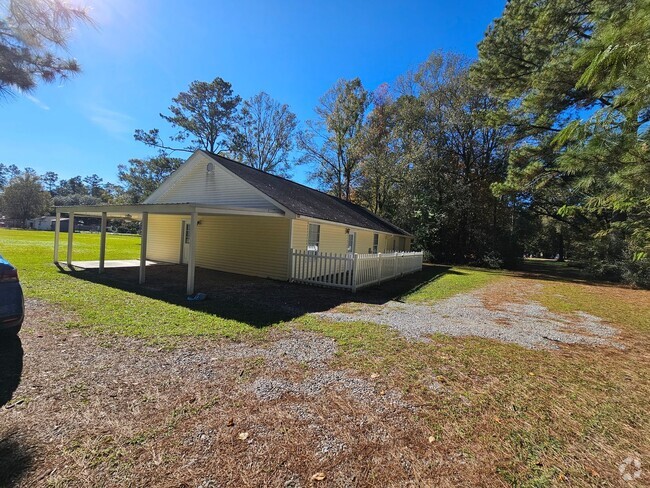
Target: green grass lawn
point(453, 281)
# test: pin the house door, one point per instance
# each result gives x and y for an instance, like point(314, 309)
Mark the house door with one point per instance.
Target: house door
point(352, 242)
point(185, 242)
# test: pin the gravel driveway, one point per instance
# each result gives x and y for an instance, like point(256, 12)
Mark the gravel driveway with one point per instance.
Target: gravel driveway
point(514, 318)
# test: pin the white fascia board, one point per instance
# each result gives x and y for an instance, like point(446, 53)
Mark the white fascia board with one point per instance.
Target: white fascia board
point(180, 208)
point(164, 208)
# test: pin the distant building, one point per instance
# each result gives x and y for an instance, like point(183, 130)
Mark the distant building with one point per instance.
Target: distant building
point(42, 223)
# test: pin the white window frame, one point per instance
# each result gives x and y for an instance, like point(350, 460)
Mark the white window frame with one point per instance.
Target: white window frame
point(375, 243)
point(352, 242)
point(313, 245)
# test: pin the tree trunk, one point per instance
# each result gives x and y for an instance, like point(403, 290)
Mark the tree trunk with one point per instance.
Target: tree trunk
point(560, 247)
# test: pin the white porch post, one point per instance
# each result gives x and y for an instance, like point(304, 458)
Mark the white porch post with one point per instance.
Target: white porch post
point(143, 246)
point(70, 236)
point(57, 232)
point(191, 260)
point(102, 243)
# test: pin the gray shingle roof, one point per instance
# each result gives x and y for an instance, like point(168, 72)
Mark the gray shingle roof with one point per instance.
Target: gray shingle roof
point(306, 201)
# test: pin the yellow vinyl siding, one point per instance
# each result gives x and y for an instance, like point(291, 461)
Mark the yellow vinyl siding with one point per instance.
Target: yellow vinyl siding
point(299, 233)
point(250, 245)
point(364, 241)
point(334, 239)
point(164, 238)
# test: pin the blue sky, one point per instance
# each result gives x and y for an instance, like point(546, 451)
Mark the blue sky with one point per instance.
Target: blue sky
point(142, 53)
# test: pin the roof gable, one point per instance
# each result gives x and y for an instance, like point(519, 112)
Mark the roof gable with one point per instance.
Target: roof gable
point(200, 180)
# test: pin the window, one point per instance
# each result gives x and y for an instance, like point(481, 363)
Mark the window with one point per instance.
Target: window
point(313, 238)
point(375, 243)
point(352, 238)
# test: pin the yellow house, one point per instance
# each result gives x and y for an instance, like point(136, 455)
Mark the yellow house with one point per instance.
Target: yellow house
point(219, 214)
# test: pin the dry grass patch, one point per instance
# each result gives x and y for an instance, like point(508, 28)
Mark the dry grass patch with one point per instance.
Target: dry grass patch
point(516, 416)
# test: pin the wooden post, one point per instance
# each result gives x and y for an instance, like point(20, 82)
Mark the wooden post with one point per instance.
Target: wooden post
point(102, 243)
point(70, 235)
point(354, 273)
point(143, 247)
point(57, 232)
point(191, 261)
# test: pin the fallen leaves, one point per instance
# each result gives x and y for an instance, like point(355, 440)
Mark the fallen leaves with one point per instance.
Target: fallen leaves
point(320, 476)
point(243, 436)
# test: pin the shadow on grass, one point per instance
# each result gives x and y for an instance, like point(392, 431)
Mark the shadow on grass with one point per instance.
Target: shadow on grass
point(551, 270)
point(15, 459)
point(254, 301)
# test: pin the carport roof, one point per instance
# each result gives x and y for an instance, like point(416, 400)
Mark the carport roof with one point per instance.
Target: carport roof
point(135, 211)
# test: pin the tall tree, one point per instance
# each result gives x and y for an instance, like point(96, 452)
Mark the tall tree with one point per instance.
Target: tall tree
point(382, 169)
point(72, 186)
point(50, 179)
point(7, 172)
point(112, 193)
point(94, 185)
point(4, 175)
point(142, 176)
point(264, 137)
point(327, 142)
point(32, 33)
point(452, 155)
point(205, 117)
point(24, 198)
point(574, 74)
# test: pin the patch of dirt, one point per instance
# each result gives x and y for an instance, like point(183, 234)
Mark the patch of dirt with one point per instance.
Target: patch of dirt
point(93, 410)
point(502, 311)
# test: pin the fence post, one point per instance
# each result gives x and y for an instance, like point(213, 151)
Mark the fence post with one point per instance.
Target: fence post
point(380, 271)
point(354, 273)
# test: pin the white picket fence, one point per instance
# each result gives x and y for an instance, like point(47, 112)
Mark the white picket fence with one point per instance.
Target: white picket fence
point(351, 271)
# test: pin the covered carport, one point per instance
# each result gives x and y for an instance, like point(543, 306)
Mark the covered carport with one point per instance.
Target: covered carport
point(141, 212)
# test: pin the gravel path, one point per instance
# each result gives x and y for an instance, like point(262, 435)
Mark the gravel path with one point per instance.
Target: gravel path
point(517, 320)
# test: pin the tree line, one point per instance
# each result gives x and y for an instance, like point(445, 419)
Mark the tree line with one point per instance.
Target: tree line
point(538, 147)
